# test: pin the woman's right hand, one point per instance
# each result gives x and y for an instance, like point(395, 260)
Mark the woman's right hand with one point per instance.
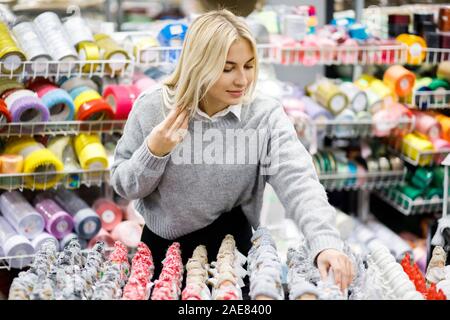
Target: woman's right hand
point(170, 132)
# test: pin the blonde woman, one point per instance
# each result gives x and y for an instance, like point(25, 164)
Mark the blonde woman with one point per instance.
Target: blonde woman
point(197, 151)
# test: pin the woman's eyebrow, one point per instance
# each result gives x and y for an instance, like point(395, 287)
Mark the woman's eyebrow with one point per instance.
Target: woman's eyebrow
point(232, 62)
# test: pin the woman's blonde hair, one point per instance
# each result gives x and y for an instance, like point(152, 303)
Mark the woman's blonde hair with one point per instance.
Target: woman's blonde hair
point(203, 58)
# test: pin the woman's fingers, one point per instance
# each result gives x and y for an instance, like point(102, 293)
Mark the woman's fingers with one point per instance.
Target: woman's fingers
point(178, 122)
point(171, 117)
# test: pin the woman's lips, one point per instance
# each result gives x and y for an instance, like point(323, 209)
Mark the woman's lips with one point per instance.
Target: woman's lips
point(236, 94)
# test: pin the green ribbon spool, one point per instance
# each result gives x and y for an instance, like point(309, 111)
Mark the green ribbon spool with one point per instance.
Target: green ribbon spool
point(432, 193)
point(422, 178)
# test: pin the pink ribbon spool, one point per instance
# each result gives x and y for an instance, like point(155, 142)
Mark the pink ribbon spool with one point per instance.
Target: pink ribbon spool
point(404, 115)
point(384, 122)
point(127, 232)
point(104, 236)
point(427, 125)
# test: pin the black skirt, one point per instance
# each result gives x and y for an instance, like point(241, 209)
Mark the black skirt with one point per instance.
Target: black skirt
point(233, 222)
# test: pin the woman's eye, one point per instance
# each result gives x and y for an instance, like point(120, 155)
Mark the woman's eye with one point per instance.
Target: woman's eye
point(248, 67)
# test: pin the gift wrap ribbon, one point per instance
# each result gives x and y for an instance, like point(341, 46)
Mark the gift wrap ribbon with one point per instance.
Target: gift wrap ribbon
point(86, 221)
point(11, 56)
point(20, 214)
point(413, 144)
point(109, 212)
point(90, 151)
point(427, 125)
point(121, 98)
point(111, 50)
point(127, 232)
point(329, 96)
point(25, 106)
point(399, 80)
point(416, 47)
point(103, 236)
point(13, 244)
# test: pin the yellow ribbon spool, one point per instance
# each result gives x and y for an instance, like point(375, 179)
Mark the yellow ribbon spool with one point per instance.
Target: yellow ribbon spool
point(329, 96)
point(10, 53)
point(82, 140)
point(144, 44)
point(110, 50)
point(39, 159)
point(364, 81)
point(93, 157)
point(84, 97)
point(89, 51)
point(413, 145)
point(416, 47)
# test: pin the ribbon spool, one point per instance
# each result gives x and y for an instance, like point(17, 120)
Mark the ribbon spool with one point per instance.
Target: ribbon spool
point(11, 164)
point(440, 88)
point(89, 105)
point(82, 39)
point(423, 22)
point(427, 125)
point(33, 46)
point(110, 214)
point(121, 98)
point(144, 49)
point(58, 101)
point(422, 178)
point(364, 81)
point(434, 193)
point(43, 238)
point(62, 148)
point(127, 232)
point(86, 222)
point(413, 145)
point(21, 214)
point(397, 24)
point(396, 163)
point(55, 38)
point(91, 153)
point(11, 56)
point(5, 116)
point(444, 19)
point(416, 47)
point(444, 121)
point(13, 244)
point(172, 35)
point(329, 96)
point(57, 222)
point(103, 236)
point(73, 83)
point(7, 85)
point(412, 194)
point(37, 160)
point(25, 106)
point(399, 80)
point(422, 85)
point(383, 122)
point(110, 50)
point(406, 119)
point(358, 99)
point(309, 54)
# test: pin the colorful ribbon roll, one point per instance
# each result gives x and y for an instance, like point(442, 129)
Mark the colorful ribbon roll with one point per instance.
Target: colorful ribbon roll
point(111, 50)
point(427, 125)
point(89, 51)
point(72, 83)
point(90, 105)
point(5, 116)
point(329, 96)
point(11, 164)
point(63, 149)
point(384, 122)
point(413, 144)
point(121, 98)
point(127, 232)
point(103, 236)
point(37, 159)
point(143, 49)
point(57, 222)
point(11, 55)
point(56, 40)
point(13, 244)
point(43, 238)
point(86, 222)
point(422, 178)
point(444, 121)
point(21, 214)
point(440, 88)
point(358, 98)
point(410, 193)
point(364, 81)
point(91, 153)
point(405, 116)
point(416, 47)
point(33, 46)
point(25, 106)
point(110, 214)
point(58, 101)
point(172, 35)
point(399, 80)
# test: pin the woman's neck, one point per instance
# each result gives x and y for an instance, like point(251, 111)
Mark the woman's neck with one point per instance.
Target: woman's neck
point(211, 108)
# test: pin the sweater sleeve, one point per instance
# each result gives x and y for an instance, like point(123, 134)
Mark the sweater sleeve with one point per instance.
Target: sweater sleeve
point(290, 171)
point(136, 172)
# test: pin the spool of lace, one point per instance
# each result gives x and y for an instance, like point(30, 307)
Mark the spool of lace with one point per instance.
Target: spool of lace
point(82, 39)
point(87, 222)
point(56, 40)
point(21, 215)
point(13, 244)
point(32, 44)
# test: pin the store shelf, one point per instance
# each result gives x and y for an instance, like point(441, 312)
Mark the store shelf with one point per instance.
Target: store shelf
point(55, 128)
point(439, 99)
point(436, 55)
point(408, 206)
point(417, 157)
point(58, 69)
point(366, 181)
point(355, 128)
point(46, 180)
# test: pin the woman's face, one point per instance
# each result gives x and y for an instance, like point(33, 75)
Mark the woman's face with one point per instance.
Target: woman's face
point(236, 77)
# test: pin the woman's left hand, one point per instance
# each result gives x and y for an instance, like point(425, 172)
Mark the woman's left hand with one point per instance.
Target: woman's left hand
point(343, 268)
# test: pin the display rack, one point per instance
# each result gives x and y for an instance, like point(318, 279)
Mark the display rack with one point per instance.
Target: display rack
point(366, 181)
point(416, 157)
point(439, 99)
point(408, 206)
point(58, 69)
point(55, 128)
point(70, 179)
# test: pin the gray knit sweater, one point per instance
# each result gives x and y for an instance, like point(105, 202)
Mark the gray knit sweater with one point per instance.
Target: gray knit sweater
point(220, 165)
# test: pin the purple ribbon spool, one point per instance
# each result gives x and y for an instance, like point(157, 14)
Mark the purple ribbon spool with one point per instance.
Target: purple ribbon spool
point(57, 222)
point(22, 105)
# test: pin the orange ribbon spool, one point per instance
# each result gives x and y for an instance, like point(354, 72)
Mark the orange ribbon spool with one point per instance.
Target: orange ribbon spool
point(400, 80)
